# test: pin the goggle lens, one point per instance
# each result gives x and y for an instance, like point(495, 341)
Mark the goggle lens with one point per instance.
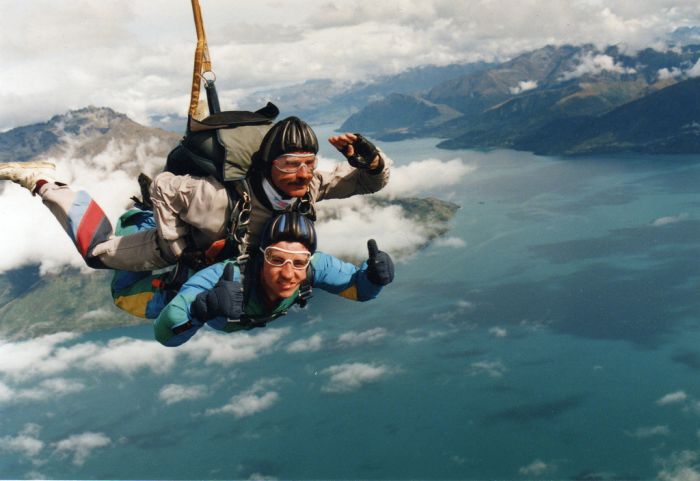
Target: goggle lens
point(291, 163)
point(278, 257)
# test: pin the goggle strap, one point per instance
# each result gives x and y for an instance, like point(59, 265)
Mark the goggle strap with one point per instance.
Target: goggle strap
point(286, 251)
point(299, 155)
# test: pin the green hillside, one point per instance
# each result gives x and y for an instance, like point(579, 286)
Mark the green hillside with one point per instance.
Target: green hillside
point(68, 301)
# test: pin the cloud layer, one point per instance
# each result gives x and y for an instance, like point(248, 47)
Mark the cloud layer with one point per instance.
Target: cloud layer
point(53, 355)
point(76, 447)
point(126, 55)
point(36, 370)
point(252, 401)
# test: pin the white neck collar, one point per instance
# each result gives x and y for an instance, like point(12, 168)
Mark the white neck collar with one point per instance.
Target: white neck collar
point(278, 202)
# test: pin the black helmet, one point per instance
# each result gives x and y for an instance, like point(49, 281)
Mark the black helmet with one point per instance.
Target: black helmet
point(289, 227)
point(288, 135)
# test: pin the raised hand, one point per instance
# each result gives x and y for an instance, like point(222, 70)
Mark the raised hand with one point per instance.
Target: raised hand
point(359, 151)
point(224, 299)
point(380, 267)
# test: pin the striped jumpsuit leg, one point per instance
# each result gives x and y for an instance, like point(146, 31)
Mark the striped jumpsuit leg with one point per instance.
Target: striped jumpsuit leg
point(86, 224)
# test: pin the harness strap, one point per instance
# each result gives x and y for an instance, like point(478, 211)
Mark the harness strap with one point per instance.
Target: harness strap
point(305, 289)
point(251, 323)
point(305, 293)
point(238, 237)
point(202, 61)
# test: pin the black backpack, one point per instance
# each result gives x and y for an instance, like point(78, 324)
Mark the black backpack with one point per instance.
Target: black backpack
point(222, 145)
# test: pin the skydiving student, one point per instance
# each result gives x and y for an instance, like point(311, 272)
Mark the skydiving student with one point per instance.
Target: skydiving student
point(191, 213)
point(284, 266)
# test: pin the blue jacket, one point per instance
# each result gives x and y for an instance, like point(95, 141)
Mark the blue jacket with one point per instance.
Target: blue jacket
point(175, 323)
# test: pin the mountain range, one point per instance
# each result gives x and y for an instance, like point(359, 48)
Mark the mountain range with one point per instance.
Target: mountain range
point(556, 100)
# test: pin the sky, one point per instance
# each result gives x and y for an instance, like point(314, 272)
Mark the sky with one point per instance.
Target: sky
point(136, 56)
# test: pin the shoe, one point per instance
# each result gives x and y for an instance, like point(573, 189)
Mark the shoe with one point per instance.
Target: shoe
point(27, 174)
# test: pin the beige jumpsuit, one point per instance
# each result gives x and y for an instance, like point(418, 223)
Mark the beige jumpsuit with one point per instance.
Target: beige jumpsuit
point(188, 208)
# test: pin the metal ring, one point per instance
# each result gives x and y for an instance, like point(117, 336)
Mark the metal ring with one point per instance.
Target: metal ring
point(206, 80)
point(244, 217)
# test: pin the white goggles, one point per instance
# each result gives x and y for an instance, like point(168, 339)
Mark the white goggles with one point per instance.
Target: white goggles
point(278, 257)
point(291, 163)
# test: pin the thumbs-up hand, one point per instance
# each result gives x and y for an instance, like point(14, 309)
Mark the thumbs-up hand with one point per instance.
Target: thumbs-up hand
point(224, 299)
point(380, 267)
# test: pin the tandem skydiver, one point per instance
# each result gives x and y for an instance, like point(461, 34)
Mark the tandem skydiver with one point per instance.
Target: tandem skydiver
point(192, 213)
point(279, 271)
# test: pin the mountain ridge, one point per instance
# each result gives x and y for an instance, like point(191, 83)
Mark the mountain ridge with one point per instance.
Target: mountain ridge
point(508, 104)
point(94, 127)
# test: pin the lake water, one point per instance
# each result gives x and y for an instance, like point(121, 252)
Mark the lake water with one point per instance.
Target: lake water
point(554, 336)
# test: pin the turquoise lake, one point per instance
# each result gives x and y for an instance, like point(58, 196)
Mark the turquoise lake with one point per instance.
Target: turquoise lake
point(554, 336)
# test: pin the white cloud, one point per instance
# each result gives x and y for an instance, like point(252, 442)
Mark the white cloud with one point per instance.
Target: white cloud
point(649, 431)
point(252, 401)
point(96, 314)
point(672, 398)
point(671, 219)
point(523, 86)
point(665, 74)
point(49, 389)
point(310, 344)
point(465, 305)
point(41, 241)
point(6, 393)
point(247, 404)
point(694, 71)
point(119, 53)
point(680, 466)
point(414, 336)
point(26, 443)
point(35, 357)
point(49, 356)
point(493, 369)
point(590, 64)
point(225, 350)
point(498, 332)
point(424, 176)
point(537, 468)
point(261, 477)
point(80, 446)
point(351, 376)
point(175, 393)
point(450, 241)
point(37, 237)
point(354, 338)
point(350, 222)
point(127, 355)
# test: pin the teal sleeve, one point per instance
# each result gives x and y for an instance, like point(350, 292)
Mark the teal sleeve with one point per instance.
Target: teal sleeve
point(342, 278)
point(175, 324)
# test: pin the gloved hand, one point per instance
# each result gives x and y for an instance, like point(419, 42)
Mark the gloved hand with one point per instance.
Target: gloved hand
point(364, 152)
point(380, 267)
point(224, 299)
